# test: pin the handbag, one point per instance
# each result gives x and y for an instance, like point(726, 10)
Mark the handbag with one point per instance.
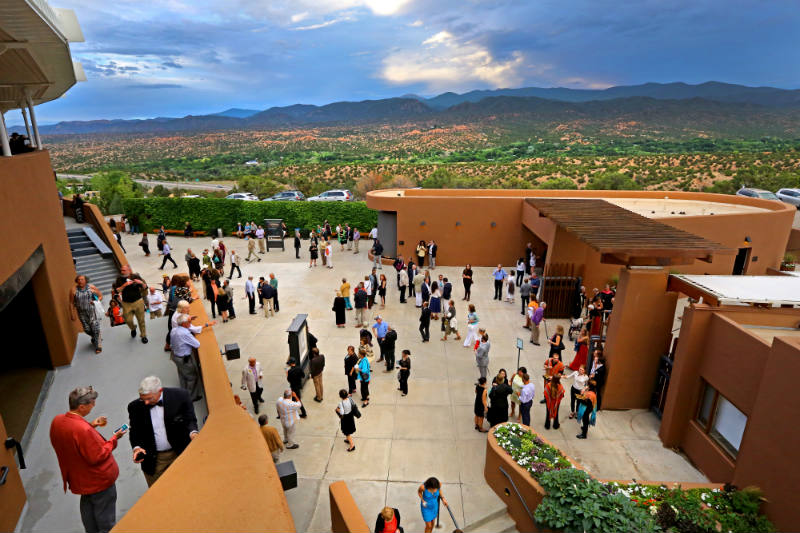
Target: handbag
point(354, 409)
point(98, 308)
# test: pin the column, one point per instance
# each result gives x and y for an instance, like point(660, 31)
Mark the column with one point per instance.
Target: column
point(6, 149)
point(27, 124)
point(33, 121)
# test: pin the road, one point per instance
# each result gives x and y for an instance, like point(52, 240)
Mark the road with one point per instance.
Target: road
point(168, 184)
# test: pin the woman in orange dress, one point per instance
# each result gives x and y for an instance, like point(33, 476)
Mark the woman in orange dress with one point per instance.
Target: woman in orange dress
point(582, 354)
point(553, 394)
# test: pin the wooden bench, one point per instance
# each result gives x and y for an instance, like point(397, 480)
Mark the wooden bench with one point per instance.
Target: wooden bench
point(179, 232)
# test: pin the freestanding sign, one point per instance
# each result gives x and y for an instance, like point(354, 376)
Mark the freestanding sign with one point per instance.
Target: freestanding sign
point(273, 231)
point(299, 345)
point(520, 344)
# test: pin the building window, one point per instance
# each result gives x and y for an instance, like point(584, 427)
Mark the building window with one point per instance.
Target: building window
point(721, 420)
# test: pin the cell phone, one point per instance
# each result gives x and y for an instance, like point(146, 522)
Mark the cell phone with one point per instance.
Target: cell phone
point(123, 427)
point(139, 455)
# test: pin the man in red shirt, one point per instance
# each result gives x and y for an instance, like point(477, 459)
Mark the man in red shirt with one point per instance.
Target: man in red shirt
point(86, 462)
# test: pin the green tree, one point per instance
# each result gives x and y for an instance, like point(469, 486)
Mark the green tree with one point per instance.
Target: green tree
point(113, 187)
point(558, 183)
point(612, 181)
point(160, 191)
point(261, 186)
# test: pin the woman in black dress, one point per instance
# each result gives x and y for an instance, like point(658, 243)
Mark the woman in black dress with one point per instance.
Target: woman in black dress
point(382, 290)
point(350, 362)
point(557, 342)
point(466, 276)
point(480, 404)
point(498, 411)
point(339, 309)
point(297, 245)
point(405, 372)
point(222, 302)
point(347, 420)
point(313, 250)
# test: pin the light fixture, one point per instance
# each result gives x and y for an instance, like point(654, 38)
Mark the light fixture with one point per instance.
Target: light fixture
point(422, 223)
point(748, 239)
point(494, 224)
point(458, 223)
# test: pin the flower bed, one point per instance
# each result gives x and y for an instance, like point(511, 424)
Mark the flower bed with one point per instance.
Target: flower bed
point(575, 501)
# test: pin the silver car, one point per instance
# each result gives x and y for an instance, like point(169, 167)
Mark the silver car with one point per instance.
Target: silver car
point(790, 196)
point(335, 195)
point(756, 193)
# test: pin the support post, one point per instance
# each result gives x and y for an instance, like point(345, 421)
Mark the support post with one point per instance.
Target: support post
point(27, 124)
point(6, 149)
point(33, 120)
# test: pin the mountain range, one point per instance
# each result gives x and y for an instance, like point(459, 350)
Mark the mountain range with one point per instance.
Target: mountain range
point(651, 102)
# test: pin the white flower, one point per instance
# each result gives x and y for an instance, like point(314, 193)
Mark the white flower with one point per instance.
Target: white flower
point(653, 510)
point(703, 496)
point(674, 509)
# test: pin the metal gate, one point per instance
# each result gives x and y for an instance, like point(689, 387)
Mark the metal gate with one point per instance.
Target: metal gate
point(659, 398)
point(561, 283)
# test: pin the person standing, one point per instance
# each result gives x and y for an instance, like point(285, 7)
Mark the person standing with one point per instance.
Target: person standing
point(405, 371)
point(581, 354)
point(429, 494)
point(315, 368)
point(418, 281)
point(557, 342)
point(349, 231)
point(481, 404)
point(498, 409)
point(432, 249)
point(435, 302)
point(482, 355)
point(193, 263)
point(328, 254)
point(86, 460)
point(339, 309)
point(402, 283)
point(422, 249)
point(313, 250)
point(223, 299)
point(273, 282)
point(389, 341)
point(377, 252)
point(536, 322)
point(295, 375)
point(356, 238)
point(183, 345)
point(536, 284)
point(351, 368)
point(412, 270)
point(234, 264)
point(587, 410)
point(516, 387)
point(274, 442)
point(361, 299)
point(388, 521)
point(251, 248)
point(166, 251)
point(155, 303)
point(472, 327)
point(346, 409)
point(297, 244)
point(466, 278)
point(287, 407)
point(131, 288)
point(553, 394)
point(252, 382)
point(526, 399)
point(145, 244)
point(499, 276)
point(344, 288)
point(267, 293)
point(598, 375)
point(163, 423)
point(425, 322)
point(520, 271)
point(525, 294)
point(82, 305)
point(363, 376)
point(262, 243)
point(250, 294)
point(379, 328)
point(579, 381)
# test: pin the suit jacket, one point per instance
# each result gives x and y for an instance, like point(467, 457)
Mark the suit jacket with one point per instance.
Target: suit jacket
point(249, 381)
point(179, 421)
point(425, 316)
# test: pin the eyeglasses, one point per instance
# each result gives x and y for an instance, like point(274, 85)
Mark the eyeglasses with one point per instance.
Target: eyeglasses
point(85, 391)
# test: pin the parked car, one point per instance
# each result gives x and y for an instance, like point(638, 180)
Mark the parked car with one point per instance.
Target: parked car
point(190, 196)
point(292, 196)
point(246, 196)
point(756, 193)
point(336, 195)
point(790, 196)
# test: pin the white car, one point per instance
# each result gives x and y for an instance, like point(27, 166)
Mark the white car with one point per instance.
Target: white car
point(790, 196)
point(336, 195)
point(756, 193)
point(246, 196)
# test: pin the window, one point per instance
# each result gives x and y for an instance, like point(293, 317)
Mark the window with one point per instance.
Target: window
point(721, 420)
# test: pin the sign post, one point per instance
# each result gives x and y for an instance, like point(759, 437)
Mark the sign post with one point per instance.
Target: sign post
point(519, 349)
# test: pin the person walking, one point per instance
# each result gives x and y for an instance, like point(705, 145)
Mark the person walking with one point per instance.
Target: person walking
point(287, 406)
point(315, 368)
point(429, 494)
point(466, 279)
point(253, 382)
point(273, 282)
point(131, 288)
point(344, 288)
point(250, 294)
point(274, 442)
point(450, 322)
point(405, 371)
point(525, 295)
point(520, 271)
point(377, 252)
point(193, 264)
point(295, 375)
point(234, 264)
point(526, 399)
point(351, 369)
point(579, 381)
point(587, 410)
point(363, 376)
point(166, 251)
point(297, 244)
point(422, 249)
point(145, 244)
point(433, 248)
point(84, 302)
point(536, 322)
point(346, 410)
point(339, 309)
point(388, 521)
point(86, 460)
point(360, 298)
point(482, 354)
point(425, 322)
point(472, 327)
point(557, 342)
point(251, 249)
point(499, 275)
point(481, 404)
point(553, 394)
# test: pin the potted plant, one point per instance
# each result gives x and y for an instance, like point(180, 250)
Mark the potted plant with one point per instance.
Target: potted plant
point(787, 265)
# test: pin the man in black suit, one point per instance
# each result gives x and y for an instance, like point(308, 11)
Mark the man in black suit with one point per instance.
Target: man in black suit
point(162, 423)
point(425, 322)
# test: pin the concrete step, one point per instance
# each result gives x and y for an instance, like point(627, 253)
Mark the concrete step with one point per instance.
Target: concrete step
point(500, 522)
point(82, 245)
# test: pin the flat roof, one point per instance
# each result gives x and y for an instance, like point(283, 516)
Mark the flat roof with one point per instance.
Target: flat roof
point(673, 208)
point(773, 291)
point(768, 333)
point(623, 236)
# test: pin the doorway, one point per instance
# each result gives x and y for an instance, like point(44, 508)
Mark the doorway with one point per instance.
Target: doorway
point(387, 232)
point(740, 263)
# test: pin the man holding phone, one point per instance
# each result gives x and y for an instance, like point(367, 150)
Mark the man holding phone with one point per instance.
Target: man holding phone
point(86, 462)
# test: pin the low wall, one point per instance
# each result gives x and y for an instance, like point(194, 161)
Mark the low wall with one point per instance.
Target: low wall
point(345, 515)
point(226, 479)
point(93, 216)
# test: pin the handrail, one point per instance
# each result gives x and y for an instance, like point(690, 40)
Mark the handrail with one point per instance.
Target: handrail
point(521, 499)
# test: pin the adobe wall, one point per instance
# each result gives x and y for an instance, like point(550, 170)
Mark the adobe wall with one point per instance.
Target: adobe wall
point(345, 515)
point(31, 217)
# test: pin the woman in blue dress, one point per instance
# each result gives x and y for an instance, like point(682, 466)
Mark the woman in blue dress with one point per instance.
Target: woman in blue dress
point(429, 495)
point(363, 376)
point(435, 301)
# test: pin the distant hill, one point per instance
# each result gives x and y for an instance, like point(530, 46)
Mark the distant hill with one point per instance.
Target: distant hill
point(672, 109)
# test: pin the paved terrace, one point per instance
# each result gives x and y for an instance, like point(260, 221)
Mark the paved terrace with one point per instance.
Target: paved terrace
point(400, 440)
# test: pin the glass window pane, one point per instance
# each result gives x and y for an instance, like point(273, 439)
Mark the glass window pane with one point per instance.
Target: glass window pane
point(705, 407)
point(728, 426)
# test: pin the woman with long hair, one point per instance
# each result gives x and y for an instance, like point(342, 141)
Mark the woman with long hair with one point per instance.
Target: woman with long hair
point(582, 352)
point(466, 278)
point(435, 303)
point(382, 290)
point(472, 326)
point(481, 404)
point(553, 394)
point(557, 342)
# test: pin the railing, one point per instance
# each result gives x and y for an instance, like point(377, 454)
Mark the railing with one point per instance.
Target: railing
point(516, 490)
point(93, 216)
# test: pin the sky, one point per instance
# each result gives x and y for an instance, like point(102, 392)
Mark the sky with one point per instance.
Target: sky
point(180, 57)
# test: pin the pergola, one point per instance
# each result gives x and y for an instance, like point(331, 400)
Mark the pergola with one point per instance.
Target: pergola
point(35, 61)
point(623, 237)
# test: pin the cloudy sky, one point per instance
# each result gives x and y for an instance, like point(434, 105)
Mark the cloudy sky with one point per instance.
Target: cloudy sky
point(179, 57)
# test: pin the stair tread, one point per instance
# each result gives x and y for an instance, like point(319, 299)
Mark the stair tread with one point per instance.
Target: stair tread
point(501, 523)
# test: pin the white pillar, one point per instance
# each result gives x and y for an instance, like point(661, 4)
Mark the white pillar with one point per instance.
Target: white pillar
point(27, 124)
point(6, 149)
point(33, 121)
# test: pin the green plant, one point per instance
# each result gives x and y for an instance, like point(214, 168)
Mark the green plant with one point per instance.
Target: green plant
point(789, 259)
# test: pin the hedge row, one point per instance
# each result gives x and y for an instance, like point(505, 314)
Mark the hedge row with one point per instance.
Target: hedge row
point(208, 214)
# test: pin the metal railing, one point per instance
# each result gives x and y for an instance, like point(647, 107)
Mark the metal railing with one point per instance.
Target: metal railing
point(516, 490)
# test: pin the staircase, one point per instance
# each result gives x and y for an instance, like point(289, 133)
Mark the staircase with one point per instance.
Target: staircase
point(497, 522)
point(93, 258)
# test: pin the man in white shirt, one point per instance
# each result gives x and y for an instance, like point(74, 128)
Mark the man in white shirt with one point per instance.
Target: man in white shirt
point(373, 233)
point(166, 251)
point(183, 344)
point(252, 382)
point(155, 302)
point(288, 408)
point(250, 294)
point(262, 244)
point(526, 399)
point(234, 264)
point(356, 238)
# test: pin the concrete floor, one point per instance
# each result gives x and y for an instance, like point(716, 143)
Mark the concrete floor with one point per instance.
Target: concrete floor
point(400, 440)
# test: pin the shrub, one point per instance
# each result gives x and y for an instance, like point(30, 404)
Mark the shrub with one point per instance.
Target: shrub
point(211, 213)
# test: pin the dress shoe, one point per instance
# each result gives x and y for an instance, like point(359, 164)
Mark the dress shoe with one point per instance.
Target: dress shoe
point(580, 436)
point(144, 340)
point(133, 333)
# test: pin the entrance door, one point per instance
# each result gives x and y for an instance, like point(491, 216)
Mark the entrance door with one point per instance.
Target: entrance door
point(387, 232)
point(740, 264)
